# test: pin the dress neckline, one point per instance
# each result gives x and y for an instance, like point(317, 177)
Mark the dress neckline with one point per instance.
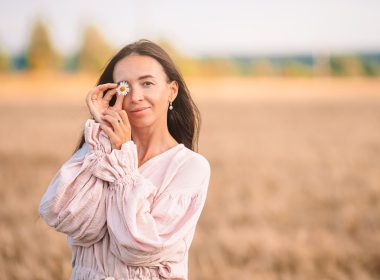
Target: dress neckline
point(160, 155)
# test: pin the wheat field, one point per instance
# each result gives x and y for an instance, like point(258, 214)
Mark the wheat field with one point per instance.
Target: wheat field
point(294, 190)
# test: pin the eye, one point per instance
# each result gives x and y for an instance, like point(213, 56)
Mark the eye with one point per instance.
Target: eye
point(147, 83)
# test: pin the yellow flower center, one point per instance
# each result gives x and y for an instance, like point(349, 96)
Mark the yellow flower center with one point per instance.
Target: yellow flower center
point(122, 88)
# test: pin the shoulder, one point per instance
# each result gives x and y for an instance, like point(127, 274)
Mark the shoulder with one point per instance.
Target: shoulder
point(187, 173)
point(194, 163)
point(198, 160)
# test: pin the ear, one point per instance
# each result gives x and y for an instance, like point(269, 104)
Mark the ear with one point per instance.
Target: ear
point(173, 86)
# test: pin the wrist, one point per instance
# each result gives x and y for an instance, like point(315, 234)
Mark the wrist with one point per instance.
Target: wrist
point(118, 147)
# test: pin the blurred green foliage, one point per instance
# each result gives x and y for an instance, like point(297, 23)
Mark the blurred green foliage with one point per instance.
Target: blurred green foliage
point(40, 53)
point(95, 52)
point(4, 61)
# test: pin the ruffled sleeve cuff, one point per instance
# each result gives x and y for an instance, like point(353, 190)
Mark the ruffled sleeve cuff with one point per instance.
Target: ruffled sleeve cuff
point(96, 139)
point(119, 167)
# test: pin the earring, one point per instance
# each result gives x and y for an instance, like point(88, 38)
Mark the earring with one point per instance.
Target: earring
point(171, 105)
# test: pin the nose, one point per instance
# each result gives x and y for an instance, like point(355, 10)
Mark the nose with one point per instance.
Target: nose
point(136, 95)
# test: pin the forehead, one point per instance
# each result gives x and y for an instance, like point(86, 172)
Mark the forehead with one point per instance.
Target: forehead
point(131, 67)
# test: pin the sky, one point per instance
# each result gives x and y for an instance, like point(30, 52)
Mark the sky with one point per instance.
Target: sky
point(201, 27)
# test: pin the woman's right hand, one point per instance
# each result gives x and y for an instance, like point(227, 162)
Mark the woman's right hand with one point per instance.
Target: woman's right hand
point(97, 104)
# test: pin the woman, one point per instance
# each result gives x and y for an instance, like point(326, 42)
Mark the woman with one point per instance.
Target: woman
point(131, 195)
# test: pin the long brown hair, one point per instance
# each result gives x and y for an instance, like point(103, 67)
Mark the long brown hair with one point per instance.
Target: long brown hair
point(184, 120)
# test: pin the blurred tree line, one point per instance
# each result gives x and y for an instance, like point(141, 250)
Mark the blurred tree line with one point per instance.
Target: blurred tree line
point(95, 52)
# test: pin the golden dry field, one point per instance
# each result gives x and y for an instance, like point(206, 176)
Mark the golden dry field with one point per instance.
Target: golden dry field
point(295, 184)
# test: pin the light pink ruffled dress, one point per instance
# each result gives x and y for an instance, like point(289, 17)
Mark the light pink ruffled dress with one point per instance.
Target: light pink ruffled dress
point(123, 221)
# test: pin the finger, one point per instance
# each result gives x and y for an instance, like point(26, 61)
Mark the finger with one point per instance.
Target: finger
point(124, 116)
point(119, 102)
point(91, 101)
point(92, 95)
point(126, 126)
point(113, 137)
point(97, 92)
point(115, 114)
point(109, 95)
point(103, 87)
point(110, 111)
point(115, 125)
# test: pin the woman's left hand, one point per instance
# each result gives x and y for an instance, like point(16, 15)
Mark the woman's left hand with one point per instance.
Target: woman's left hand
point(120, 130)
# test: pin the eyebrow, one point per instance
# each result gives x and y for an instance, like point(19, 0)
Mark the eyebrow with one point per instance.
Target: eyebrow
point(141, 78)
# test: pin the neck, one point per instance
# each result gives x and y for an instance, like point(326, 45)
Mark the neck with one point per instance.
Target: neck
point(152, 140)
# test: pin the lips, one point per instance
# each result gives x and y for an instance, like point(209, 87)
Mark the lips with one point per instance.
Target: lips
point(139, 109)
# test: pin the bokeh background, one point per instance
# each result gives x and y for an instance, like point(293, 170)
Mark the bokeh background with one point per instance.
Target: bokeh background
point(289, 93)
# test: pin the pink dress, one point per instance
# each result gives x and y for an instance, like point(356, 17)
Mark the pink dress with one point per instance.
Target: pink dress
point(123, 221)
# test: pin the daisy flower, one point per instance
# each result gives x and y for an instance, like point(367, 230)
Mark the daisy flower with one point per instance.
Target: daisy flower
point(123, 88)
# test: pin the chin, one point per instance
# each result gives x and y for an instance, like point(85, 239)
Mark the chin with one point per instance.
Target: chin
point(140, 125)
point(142, 122)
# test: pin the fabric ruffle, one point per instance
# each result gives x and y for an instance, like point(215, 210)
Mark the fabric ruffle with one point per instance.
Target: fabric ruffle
point(74, 202)
point(115, 218)
point(97, 141)
point(119, 166)
point(96, 138)
point(143, 233)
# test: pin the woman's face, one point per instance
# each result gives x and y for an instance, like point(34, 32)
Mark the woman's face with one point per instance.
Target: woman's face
point(148, 89)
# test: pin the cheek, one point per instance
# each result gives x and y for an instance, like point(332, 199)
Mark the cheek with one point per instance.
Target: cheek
point(125, 104)
point(158, 99)
point(163, 97)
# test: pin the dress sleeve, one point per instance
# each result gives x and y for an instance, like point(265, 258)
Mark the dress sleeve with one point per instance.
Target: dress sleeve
point(74, 202)
point(146, 228)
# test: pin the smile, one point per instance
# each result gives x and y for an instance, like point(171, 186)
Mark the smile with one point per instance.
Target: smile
point(139, 110)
